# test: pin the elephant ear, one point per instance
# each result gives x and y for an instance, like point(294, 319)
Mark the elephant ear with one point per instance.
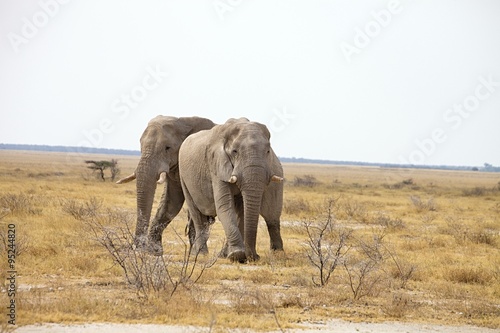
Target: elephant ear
point(189, 125)
point(183, 128)
point(222, 167)
point(264, 130)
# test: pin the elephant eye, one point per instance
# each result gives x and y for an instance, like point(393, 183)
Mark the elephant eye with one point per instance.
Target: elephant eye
point(167, 148)
point(235, 151)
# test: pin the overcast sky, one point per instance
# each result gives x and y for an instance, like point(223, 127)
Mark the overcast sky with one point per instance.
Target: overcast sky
point(374, 81)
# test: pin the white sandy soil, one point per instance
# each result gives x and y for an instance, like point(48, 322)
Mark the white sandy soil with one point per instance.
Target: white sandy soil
point(334, 326)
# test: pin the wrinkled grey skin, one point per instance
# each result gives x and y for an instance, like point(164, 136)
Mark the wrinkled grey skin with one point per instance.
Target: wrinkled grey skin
point(232, 172)
point(160, 145)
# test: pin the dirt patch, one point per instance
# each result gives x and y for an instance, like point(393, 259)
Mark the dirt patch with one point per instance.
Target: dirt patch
point(333, 326)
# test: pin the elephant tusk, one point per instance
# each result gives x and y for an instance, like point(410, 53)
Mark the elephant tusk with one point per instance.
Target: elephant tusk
point(127, 179)
point(277, 179)
point(163, 177)
point(233, 179)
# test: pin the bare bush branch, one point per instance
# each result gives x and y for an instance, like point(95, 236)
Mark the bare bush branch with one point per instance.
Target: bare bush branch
point(404, 270)
point(146, 272)
point(364, 273)
point(326, 245)
point(363, 277)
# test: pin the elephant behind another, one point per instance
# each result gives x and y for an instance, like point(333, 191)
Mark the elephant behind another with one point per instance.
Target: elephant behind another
point(158, 164)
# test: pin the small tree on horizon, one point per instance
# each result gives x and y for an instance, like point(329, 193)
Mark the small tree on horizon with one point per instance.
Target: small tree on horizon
point(100, 166)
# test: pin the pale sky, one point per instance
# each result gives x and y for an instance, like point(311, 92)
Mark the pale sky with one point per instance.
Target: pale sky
point(372, 81)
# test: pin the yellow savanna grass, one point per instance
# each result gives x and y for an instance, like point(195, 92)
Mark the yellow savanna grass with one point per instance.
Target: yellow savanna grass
point(436, 232)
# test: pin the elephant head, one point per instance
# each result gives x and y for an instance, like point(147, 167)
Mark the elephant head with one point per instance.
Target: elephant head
point(243, 159)
point(160, 145)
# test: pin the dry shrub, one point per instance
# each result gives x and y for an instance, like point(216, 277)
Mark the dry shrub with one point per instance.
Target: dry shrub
point(305, 181)
point(249, 301)
point(363, 277)
point(22, 242)
point(353, 210)
point(488, 237)
point(296, 206)
point(475, 191)
point(403, 271)
point(20, 204)
point(81, 210)
point(463, 233)
point(398, 305)
point(364, 268)
point(422, 205)
point(327, 245)
point(403, 184)
point(246, 300)
point(469, 275)
point(388, 222)
point(300, 279)
point(148, 273)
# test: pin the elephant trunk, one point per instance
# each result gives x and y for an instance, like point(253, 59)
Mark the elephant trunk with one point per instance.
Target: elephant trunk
point(147, 175)
point(252, 190)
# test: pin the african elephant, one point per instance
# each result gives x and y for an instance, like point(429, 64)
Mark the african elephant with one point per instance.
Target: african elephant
point(158, 164)
point(232, 172)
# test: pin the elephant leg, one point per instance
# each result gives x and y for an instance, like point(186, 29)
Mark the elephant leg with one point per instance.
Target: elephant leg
point(238, 204)
point(273, 227)
point(201, 232)
point(271, 211)
point(190, 230)
point(207, 221)
point(198, 227)
point(171, 203)
point(225, 206)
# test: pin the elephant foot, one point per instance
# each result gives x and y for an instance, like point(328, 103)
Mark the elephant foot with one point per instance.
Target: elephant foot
point(224, 252)
point(238, 255)
point(140, 243)
point(196, 251)
point(155, 248)
point(253, 257)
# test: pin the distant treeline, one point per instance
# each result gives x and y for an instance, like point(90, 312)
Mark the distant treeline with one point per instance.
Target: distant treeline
point(65, 149)
point(86, 150)
point(487, 167)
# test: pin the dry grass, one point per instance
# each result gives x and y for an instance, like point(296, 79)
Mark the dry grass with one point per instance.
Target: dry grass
point(423, 245)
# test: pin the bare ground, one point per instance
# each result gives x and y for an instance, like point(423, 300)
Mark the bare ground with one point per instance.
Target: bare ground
point(330, 326)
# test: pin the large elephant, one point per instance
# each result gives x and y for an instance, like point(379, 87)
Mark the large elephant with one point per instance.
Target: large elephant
point(158, 164)
point(232, 172)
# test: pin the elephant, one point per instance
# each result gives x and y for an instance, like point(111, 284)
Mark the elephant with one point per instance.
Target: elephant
point(231, 171)
point(158, 164)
